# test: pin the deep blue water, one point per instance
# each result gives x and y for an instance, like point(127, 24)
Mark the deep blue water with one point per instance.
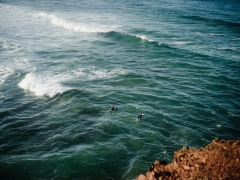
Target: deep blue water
point(64, 64)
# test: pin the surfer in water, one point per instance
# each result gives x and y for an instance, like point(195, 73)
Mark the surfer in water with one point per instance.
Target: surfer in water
point(113, 108)
point(139, 116)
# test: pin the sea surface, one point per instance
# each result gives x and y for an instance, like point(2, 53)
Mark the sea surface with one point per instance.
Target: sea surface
point(65, 63)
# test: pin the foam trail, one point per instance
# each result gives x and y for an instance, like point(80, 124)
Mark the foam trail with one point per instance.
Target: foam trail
point(180, 42)
point(4, 73)
point(9, 49)
point(92, 73)
point(76, 26)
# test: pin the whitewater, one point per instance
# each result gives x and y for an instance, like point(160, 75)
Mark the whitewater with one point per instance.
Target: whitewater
point(64, 65)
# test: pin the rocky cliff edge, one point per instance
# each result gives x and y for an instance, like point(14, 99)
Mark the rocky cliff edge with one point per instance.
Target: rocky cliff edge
point(220, 160)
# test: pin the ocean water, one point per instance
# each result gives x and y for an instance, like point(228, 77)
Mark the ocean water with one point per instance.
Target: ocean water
point(64, 64)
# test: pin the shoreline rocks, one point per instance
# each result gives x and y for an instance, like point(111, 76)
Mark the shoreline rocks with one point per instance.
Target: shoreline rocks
point(218, 160)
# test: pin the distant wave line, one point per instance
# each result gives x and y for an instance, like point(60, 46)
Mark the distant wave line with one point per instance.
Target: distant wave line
point(105, 29)
point(214, 22)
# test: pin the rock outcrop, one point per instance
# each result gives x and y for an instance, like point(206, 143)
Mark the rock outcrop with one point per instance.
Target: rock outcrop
point(220, 160)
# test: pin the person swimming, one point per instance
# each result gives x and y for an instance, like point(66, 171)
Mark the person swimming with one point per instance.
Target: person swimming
point(113, 108)
point(140, 115)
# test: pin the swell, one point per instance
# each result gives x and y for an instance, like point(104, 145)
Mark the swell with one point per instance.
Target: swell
point(214, 22)
point(167, 48)
point(121, 36)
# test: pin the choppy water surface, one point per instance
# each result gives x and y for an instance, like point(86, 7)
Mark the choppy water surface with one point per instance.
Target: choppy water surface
point(64, 64)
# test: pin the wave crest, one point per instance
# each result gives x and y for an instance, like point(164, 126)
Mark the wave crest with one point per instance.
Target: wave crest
point(77, 26)
point(144, 38)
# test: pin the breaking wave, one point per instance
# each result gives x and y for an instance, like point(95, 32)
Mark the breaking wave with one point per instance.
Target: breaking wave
point(144, 38)
point(42, 84)
point(51, 84)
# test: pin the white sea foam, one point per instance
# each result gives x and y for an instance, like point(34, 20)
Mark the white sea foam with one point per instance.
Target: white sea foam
point(214, 34)
point(77, 26)
point(16, 53)
point(180, 42)
point(4, 73)
point(10, 47)
point(10, 8)
point(228, 48)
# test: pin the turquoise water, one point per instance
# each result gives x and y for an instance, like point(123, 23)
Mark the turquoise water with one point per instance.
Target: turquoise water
point(64, 64)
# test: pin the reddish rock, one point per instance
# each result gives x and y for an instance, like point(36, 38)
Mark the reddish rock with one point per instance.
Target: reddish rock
point(186, 167)
point(218, 160)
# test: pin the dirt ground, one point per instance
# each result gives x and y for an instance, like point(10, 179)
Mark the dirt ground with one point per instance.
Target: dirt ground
point(220, 160)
